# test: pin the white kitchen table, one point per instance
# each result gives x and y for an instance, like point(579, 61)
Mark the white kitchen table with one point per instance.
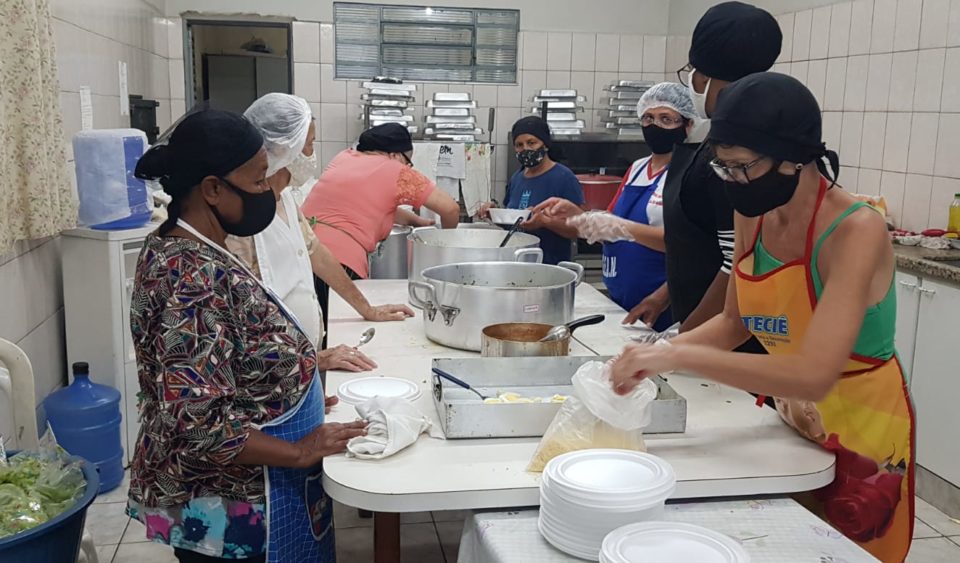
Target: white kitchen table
point(770, 530)
point(730, 448)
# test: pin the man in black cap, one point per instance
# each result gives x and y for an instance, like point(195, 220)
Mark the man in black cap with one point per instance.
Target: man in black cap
point(730, 41)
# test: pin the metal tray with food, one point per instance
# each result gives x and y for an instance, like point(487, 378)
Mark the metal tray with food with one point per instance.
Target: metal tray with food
point(526, 395)
point(458, 105)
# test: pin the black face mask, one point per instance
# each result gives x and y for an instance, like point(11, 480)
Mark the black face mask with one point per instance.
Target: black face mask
point(531, 158)
point(258, 212)
point(763, 194)
point(662, 141)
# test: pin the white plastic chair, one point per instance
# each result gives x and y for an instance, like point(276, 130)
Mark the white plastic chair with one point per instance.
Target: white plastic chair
point(16, 381)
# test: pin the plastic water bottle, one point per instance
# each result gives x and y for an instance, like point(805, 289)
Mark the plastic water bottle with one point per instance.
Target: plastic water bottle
point(85, 417)
point(111, 197)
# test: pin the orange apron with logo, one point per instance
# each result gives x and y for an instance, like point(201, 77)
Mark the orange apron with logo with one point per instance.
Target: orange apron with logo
point(866, 419)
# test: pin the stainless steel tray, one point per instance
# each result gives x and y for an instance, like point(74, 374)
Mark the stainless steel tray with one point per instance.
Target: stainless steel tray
point(451, 112)
point(467, 129)
point(559, 99)
point(630, 84)
point(401, 97)
point(378, 103)
point(557, 93)
point(621, 113)
point(440, 104)
point(433, 119)
point(451, 97)
point(572, 105)
point(386, 112)
point(464, 415)
point(615, 97)
point(390, 86)
point(454, 138)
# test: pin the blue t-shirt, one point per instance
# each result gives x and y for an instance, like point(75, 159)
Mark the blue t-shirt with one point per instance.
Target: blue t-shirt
point(523, 192)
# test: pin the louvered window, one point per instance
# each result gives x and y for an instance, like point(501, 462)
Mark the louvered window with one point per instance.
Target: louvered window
point(426, 44)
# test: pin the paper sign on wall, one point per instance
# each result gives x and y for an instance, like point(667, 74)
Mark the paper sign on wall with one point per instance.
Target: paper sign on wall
point(452, 161)
point(86, 109)
point(124, 93)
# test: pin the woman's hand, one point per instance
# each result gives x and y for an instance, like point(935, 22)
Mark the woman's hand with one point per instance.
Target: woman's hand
point(640, 361)
point(558, 208)
point(384, 313)
point(327, 439)
point(329, 403)
point(483, 211)
point(344, 358)
point(648, 310)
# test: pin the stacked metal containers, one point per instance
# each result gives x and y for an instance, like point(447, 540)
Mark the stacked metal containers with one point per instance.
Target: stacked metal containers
point(561, 109)
point(621, 115)
point(450, 117)
point(388, 100)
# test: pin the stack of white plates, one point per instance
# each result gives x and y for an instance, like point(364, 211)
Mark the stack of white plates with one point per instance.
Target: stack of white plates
point(361, 390)
point(585, 495)
point(669, 542)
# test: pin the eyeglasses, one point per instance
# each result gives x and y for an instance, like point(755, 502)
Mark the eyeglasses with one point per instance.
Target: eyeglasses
point(664, 121)
point(734, 172)
point(683, 74)
point(407, 158)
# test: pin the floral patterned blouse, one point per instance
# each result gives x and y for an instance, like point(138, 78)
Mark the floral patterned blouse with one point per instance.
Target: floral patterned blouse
point(215, 357)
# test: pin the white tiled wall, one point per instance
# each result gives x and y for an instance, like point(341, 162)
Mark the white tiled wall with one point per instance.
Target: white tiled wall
point(886, 75)
point(585, 61)
point(91, 38)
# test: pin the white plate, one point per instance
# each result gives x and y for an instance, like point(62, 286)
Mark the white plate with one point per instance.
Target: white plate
point(359, 391)
point(557, 540)
point(507, 216)
point(667, 542)
point(611, 477)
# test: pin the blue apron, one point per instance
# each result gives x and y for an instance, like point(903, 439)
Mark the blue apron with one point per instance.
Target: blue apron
point(632, 271)
point(299, 512)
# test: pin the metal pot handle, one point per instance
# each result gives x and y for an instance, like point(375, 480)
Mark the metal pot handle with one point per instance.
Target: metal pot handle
point(575, 268)
point(521, 254)
point(429, 306)
point(413, 233)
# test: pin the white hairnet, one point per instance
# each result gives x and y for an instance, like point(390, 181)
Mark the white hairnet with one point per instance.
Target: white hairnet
point(283, 120)
point(668, 95)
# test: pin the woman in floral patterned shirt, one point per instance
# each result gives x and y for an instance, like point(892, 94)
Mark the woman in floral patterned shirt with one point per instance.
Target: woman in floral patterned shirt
point(217, 356)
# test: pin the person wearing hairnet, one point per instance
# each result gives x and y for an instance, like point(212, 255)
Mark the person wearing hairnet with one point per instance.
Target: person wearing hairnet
point(287, 254)
point(813, 280)
point(634, 269)
point(731, 40)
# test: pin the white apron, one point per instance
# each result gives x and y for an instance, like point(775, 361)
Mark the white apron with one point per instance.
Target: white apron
point(285, 268)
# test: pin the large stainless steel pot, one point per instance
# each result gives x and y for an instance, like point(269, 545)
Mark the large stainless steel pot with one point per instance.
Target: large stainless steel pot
point(459, 300)
point(390, 259)
point(430, 247)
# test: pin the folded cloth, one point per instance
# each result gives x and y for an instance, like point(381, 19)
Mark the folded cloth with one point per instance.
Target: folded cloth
point(393, 424)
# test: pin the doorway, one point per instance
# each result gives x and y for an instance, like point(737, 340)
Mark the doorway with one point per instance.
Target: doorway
point(232, 63)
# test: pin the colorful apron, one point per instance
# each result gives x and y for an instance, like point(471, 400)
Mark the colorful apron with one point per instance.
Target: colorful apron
point(866, 419)
point(299, 512)
point(632, 271)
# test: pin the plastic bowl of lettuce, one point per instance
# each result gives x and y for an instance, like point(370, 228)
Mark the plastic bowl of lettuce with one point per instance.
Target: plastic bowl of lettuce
point(43, 505)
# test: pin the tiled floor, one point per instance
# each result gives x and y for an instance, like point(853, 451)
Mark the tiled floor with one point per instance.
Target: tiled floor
point(429, 537)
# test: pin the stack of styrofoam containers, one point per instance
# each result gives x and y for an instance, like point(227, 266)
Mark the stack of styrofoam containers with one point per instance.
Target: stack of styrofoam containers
point(621, 115)
point(388, 101)
point(563, 110)
point(450, 118)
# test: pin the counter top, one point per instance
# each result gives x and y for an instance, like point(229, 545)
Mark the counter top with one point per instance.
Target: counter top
point(927, 262)
point(730, 448)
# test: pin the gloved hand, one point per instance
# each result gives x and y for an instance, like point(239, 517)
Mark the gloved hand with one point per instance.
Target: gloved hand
point(392, 425)
point(600, 226)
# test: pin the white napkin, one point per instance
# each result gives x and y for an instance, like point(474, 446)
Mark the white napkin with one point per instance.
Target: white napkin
point(394, 424)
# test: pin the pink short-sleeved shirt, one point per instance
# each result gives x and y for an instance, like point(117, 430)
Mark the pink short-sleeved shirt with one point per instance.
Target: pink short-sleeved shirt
point(351, 208)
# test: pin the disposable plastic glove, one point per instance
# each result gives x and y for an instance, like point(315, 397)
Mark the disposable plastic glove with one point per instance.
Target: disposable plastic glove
point(600, 226)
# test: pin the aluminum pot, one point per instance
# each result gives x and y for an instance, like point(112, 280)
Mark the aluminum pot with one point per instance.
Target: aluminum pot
point(459, 300)
point(523, 339)
point(390, 259)
point(430, 247)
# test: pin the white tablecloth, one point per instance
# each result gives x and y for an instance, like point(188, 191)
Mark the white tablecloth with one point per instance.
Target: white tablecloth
point(771, 530)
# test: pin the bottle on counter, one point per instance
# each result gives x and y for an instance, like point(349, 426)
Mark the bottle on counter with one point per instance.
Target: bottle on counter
point(953, 224)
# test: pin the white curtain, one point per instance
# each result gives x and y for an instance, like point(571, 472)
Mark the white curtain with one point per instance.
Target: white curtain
point(36, 197)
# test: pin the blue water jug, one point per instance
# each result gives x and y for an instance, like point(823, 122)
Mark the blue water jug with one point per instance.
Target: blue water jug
point(85, 417)
point(111, 198)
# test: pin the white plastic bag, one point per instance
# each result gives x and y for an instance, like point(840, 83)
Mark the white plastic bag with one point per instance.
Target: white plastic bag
point(596, 417)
